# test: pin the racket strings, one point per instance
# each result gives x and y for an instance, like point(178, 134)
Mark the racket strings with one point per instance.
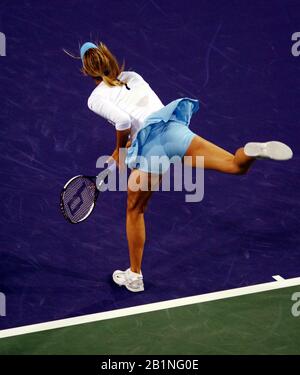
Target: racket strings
point(78, 199)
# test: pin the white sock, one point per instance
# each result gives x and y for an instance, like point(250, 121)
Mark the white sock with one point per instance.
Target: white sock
point(134, 274)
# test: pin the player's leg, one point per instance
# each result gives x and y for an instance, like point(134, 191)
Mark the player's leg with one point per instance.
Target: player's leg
point(221, 160)
point(217, 158)
point(139, 193)
point(140, 188)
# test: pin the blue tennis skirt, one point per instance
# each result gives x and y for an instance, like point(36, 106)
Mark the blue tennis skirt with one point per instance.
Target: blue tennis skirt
point(165, 134)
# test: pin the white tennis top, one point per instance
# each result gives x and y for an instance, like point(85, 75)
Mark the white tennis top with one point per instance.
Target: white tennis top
point(125, 108)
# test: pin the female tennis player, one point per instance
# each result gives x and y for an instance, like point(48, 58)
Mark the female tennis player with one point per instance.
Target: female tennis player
point(148, 128)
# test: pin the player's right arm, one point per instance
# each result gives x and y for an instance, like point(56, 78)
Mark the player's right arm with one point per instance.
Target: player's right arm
point(114, 115)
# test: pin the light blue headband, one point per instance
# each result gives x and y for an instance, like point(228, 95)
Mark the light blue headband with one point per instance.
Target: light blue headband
point(85, 47)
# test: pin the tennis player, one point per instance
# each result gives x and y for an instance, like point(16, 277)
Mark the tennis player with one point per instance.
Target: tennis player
point(148, 128)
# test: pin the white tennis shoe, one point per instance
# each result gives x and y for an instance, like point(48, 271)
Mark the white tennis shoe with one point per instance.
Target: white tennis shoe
point(131, 280)
point(269, 150)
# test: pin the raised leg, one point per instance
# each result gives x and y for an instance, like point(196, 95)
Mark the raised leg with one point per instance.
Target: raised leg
point(217, 158)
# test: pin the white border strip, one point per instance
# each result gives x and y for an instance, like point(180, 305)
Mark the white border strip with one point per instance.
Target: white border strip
point(282, 283)
point(278, 278)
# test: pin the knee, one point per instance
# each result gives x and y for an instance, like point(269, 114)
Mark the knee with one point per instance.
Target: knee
point(238, 170)
point(135, 206)
point(234, 168)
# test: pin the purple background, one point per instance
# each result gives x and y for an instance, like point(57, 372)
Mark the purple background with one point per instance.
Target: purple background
point(235, 57)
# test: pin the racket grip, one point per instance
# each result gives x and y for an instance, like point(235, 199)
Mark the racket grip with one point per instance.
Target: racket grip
point(112, 166)
point(103, 176)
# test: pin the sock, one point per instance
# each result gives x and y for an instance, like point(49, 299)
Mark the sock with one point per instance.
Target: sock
point(134, 274)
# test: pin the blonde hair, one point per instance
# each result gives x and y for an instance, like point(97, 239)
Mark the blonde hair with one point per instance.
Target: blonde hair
point(101, 64)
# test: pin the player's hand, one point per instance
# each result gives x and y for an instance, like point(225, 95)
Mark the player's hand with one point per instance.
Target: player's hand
point(114, 157)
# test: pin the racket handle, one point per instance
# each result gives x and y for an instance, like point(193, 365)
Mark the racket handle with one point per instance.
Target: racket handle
point(112, 166)
point(102, 176)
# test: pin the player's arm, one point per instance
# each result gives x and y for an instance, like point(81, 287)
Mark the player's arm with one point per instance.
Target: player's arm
point(116, 116)
point(122, 141)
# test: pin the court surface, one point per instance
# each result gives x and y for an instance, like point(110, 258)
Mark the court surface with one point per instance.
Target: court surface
point(235, 57)
point(258, 323)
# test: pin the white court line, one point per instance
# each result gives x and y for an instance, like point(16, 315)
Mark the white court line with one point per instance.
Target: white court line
point(278, 278)
point(284, 283)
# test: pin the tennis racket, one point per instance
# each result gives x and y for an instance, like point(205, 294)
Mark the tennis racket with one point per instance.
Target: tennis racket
point(79, 195)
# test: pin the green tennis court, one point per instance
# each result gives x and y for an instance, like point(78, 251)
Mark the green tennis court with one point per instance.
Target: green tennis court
point(259, 323)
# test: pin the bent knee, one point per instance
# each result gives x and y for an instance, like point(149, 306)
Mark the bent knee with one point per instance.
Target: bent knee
point(136, 204)
point(238, 170)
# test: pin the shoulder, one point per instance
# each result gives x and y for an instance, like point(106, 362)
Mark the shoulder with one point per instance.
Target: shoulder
point(96, 95)
point(100, 94)
point(131, 75)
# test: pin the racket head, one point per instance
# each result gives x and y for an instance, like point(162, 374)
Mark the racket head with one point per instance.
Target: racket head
point(78, 198)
